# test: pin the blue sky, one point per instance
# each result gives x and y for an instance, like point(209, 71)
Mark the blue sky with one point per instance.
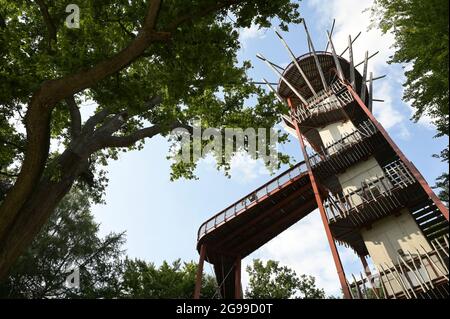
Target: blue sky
point(161, 218)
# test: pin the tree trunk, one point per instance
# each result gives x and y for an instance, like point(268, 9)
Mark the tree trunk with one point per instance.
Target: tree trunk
point(37, 210)
point(36, 153)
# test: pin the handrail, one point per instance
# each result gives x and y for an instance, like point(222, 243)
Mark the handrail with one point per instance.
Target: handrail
point(254, 196)
point(409, 271)
point(360, 133)
point(302, 113)
point(396, 176)
point(337, 95)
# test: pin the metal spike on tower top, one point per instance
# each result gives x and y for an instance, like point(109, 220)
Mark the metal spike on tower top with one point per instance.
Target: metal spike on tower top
point(365, 92)
point(294, 59)
point(316, 59)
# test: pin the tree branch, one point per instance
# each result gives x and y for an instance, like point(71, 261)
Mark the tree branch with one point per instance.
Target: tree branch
point(2, 22)
point(150, 104)
point(95, 119)
point(128, 32)
point(201, 13)
point(17, 228)
point(131, 139)
point(60, 88)
point(75, 116)
point(79, 81)
point(111, 125)
point(51, 29)
point(114, 123)
point(106, 244)
point(39, 111)
point(20, 148)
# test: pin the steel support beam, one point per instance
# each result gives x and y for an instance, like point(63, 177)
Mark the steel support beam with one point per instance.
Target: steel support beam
point(316, 58)
point(237, 278)
point(371, 79)
point(260, 217)
point(198, 279)
point(331, 242)
point(352, 63)
point(417, 175)
point(294, 60)
point(274, 227)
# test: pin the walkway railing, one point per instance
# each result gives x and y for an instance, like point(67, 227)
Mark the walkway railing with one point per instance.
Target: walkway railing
point(363, 131)
point(396, 176)
point(251, 199)
point(336, 97)
point(412, 274)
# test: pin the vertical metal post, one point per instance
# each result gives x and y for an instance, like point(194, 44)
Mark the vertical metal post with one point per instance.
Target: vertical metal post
point(198, 280)
point(353, 41)
point(331, 242)
point(366, 266)
point(237, 278)
point(316, 58)
point(335, 57)
point(363, 86)
point(371, 92)
point(294, 59)
point(409, 165)
point(352, 63)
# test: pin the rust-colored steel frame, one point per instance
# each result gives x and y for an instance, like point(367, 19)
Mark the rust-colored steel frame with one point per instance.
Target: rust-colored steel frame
point(316, 187)
point(203, 249)
point(256, 220)
point(257, 201)
point(331, 242)
point(199, 276)
point(409, 165)
point(237, 279)
point(277, 224)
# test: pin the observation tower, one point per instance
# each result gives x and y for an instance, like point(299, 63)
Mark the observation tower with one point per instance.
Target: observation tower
point(371, 198)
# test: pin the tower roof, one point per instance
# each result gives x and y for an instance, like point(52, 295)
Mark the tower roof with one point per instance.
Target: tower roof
point(308, 65)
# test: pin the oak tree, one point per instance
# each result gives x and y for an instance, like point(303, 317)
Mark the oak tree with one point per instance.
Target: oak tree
point(148, 65)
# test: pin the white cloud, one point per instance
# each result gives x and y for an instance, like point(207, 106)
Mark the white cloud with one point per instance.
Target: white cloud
point(386, 112)
point(304, 248)
point(244, 169)
point(252, 33)
point(351, 17)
